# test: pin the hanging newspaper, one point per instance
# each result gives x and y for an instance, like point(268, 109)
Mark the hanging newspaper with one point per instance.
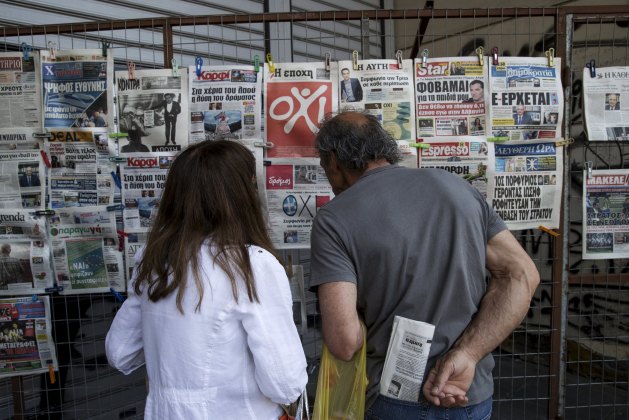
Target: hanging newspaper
point(224, 103)
point(295, 190)
point(606, 214)
point(24, 253)
point(525, 184)
point(26, 345)
point(133, 242)
point(80, 170)
point(384, 90)
point(85, 250)
point(143, 178)
point(20, 103)
point(467, 157)
point(450, 95)
point(526, 99)
point(606, 103)
point(297, 97)
point(75, 84)
point(24, 179)
point(153, 110)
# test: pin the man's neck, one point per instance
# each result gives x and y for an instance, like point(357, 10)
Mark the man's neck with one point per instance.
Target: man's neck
point(376, 164)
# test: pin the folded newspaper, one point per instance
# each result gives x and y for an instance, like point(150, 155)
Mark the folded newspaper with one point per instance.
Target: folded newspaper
point(406, 359)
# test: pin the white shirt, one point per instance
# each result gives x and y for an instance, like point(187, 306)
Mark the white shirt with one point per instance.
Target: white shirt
point(237, 360)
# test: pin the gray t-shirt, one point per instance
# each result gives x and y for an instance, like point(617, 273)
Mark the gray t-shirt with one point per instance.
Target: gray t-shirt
point(414, 242)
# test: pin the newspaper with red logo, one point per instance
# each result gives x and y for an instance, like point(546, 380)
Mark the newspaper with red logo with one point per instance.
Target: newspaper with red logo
point(295, 189)
point(606, 214)
point(26, 344)
point(224, 103)
point(296, 98)
point(24, 179)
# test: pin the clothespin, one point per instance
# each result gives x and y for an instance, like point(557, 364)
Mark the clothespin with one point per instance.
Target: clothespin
point(54, 289)
point(52, 49)
point(122, 233)
point(117, 295)
point(355, 60)
point(564, 142)
point(256, 63)
point(175, 67)
point(550, 53)
point(44, 156)
point(115, 207)
point(198, 62)
point(116, 180)
point(104, 45)
point(26, 50)
point(494, 56)
point(420, 145)
point(480, 51)
point(398, 57)
point(269, 61)
point(266, 163)
point(266, 144)
point(592, 66)
point(327, 61)
point(131, 67)
point(117, 159)
point(497, 139)
point(47, 212)
point(51, 371)
point(424, 58)
point(547, 230)
point(34, 298)
point(43, 136)
point(117, 135)
point(588, 167)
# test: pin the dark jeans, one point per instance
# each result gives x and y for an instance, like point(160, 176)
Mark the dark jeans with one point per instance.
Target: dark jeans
point(385, 408)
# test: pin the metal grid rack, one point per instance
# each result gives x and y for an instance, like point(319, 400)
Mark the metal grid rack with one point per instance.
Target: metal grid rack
point(547, 368)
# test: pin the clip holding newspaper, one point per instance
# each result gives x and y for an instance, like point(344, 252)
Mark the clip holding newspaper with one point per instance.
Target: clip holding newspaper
point(406, 359)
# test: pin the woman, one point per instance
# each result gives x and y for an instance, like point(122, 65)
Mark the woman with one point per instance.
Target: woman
point(210, 308)
point(477, 126)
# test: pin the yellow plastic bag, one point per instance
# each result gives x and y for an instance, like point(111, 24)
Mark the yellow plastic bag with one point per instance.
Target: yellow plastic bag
point(341, 387)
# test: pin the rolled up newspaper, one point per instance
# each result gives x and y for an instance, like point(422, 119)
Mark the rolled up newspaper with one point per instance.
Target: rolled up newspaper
point(406, 359)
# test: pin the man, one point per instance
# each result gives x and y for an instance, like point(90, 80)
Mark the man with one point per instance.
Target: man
point(426, 261)
point(351, 91)
point(477, 92)
point(613, 102)
point(11, 269)
point(171, 110)
point(132, 124)
point(98, 119)
point(521, 117)
point(29, 179)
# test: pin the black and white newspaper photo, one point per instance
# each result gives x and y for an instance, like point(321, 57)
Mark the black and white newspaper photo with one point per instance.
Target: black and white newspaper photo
point(24, 179)
point(77, 89)
point(20, 103)
point(224, 103)
point(85, 250)
point(152, 110)
point(296, 98)
point(606, 103)
point(26, 343)
point(606, 214)
point(467, 157)
point(295, 189)
point(526, 99)
point(450, 97)
point(80, 170)
point(525, 184)
point(386, 91)
point(25, 266)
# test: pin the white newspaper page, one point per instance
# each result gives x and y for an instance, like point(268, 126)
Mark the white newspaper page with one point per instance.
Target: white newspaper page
point(20, 103)
point(450, 97)
point(296, 98)
point(153, 110)
point(525, 184)
point(85, 250)
point(77, 89)
point(526, 99)
point(407, 355)
point(133, 242)
point(295, 190)
point(25, 266)
point(24, 178)
point(26, 345)
point(386, 91)
point(467, 157)
point(80, 172)
point(606, 214)
point(606, 103)
point(224, 103)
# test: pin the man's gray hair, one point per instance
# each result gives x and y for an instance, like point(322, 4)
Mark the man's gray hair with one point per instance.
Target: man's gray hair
point(355, 141)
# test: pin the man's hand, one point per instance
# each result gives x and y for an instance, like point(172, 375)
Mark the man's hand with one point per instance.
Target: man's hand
point(448, 382)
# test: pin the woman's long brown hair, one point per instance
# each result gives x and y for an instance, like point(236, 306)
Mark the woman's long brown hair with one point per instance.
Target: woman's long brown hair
point(209, 195)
